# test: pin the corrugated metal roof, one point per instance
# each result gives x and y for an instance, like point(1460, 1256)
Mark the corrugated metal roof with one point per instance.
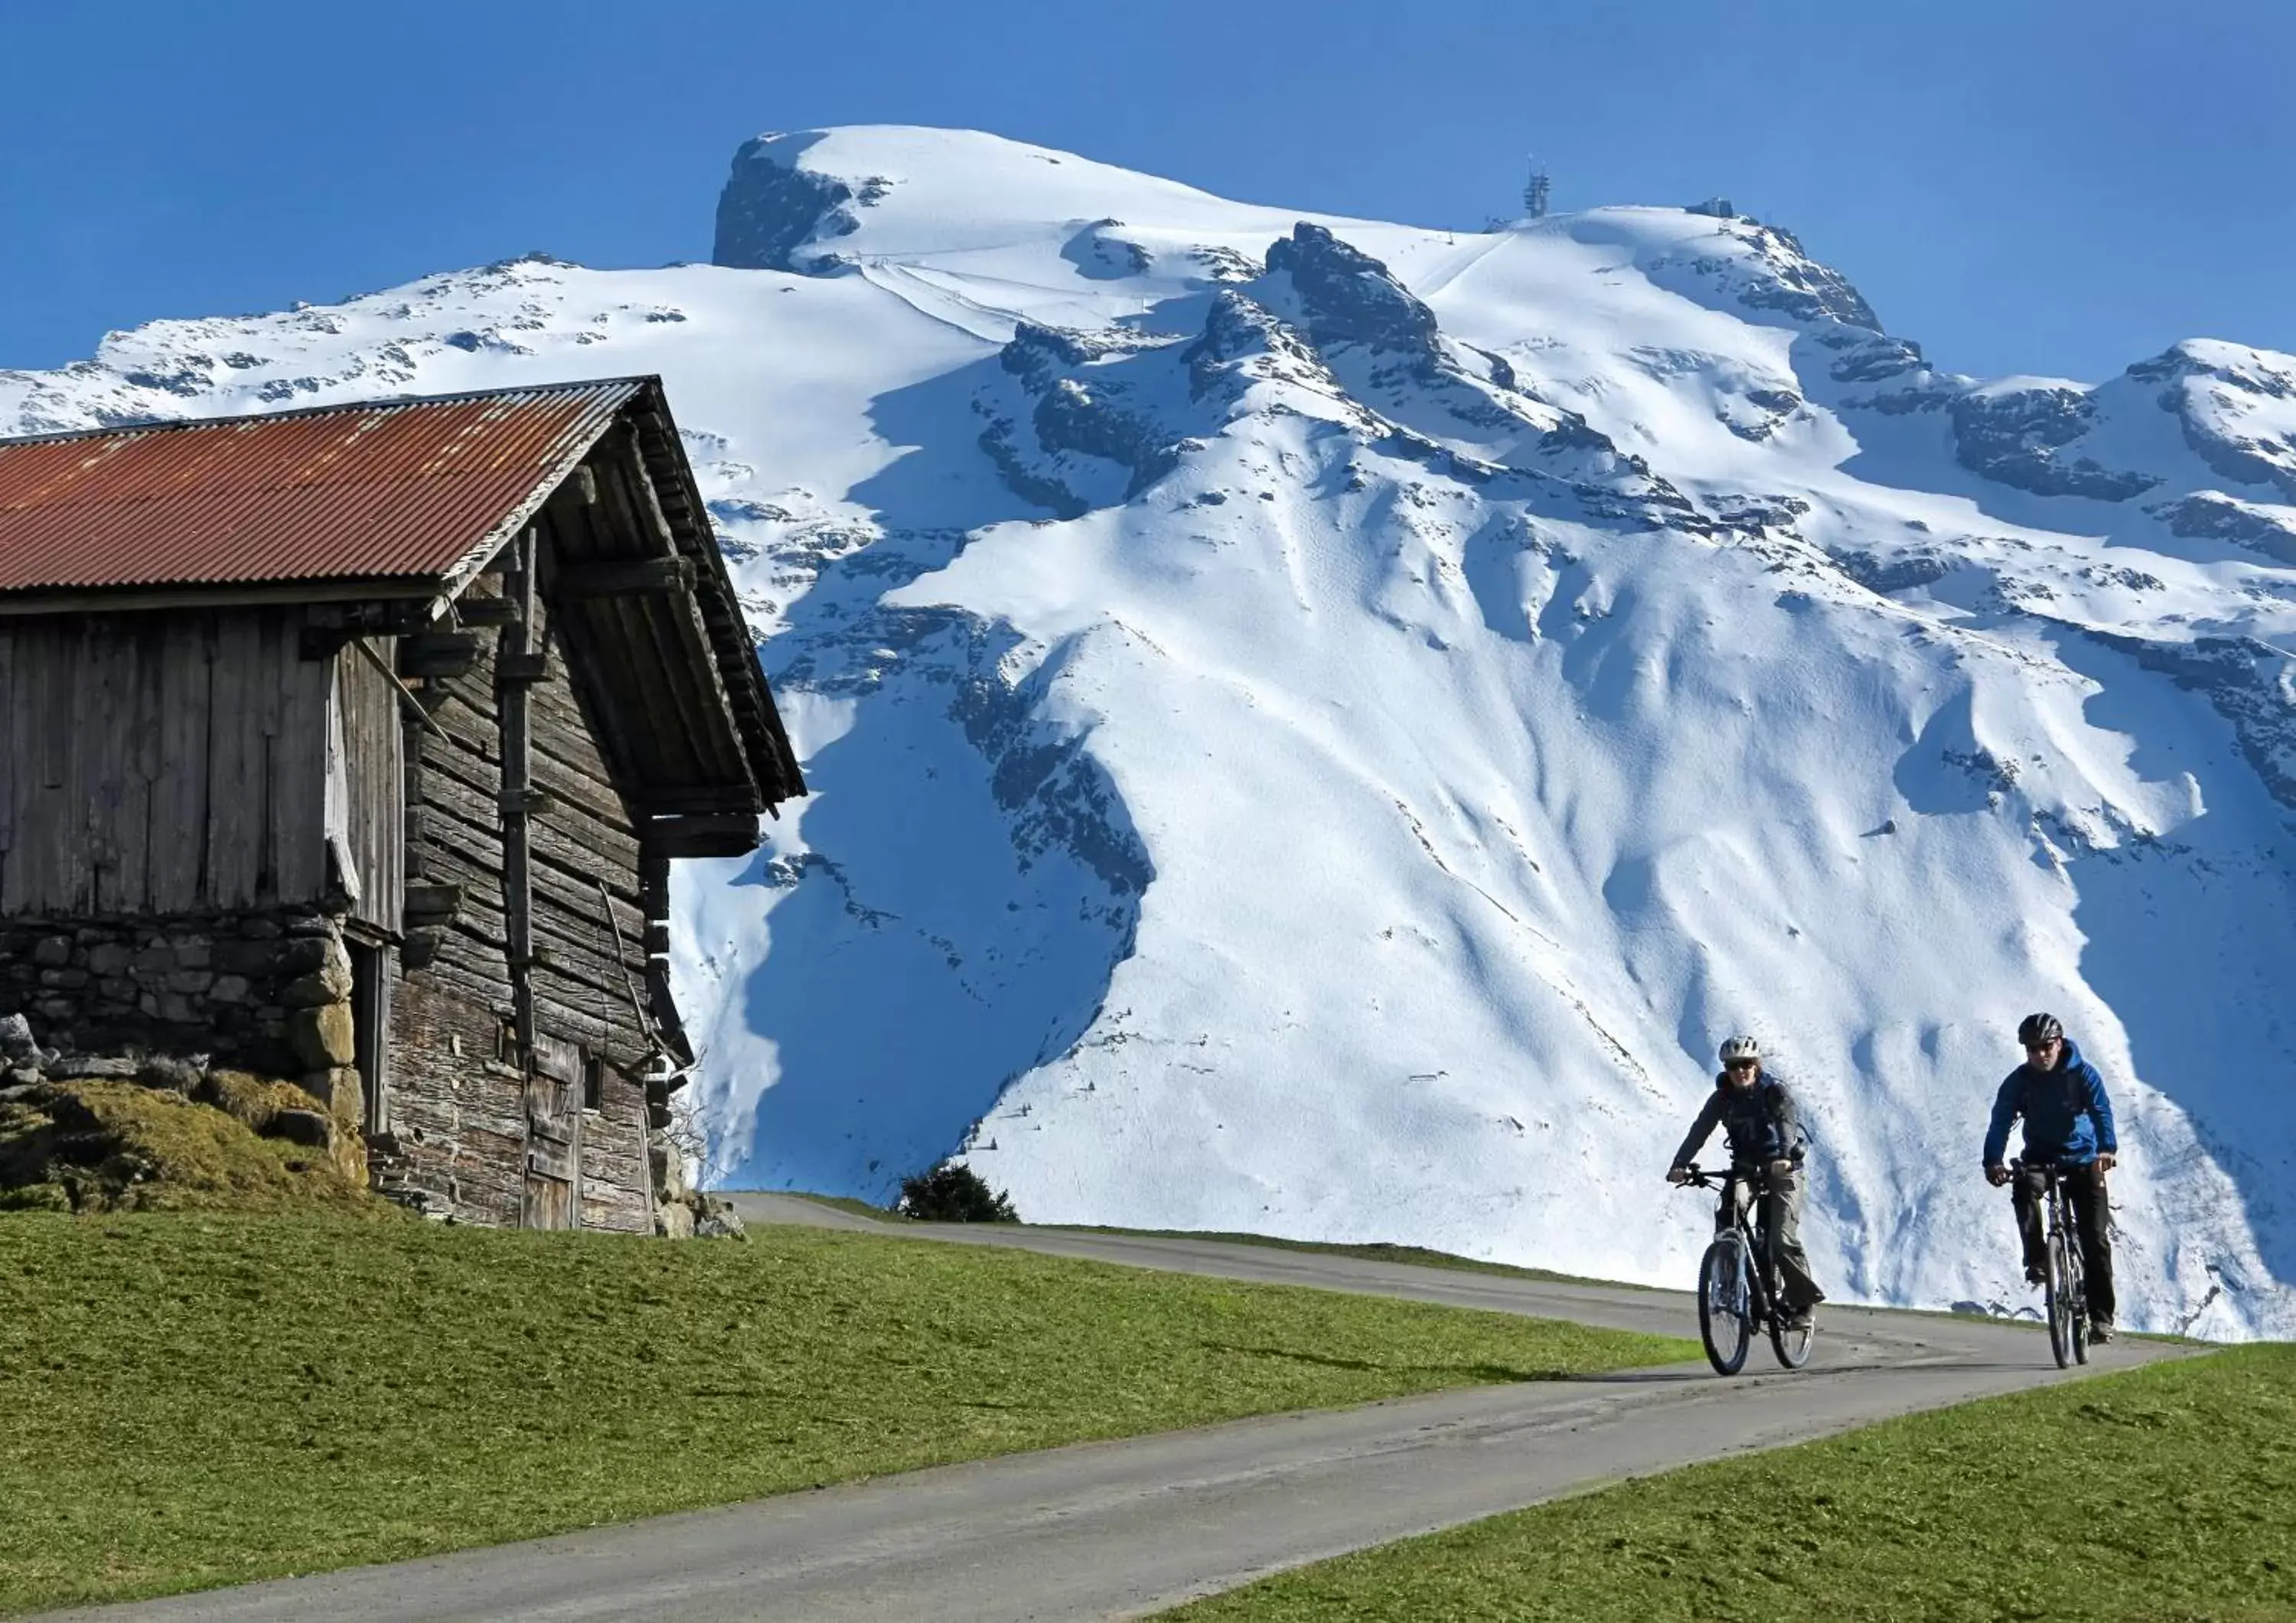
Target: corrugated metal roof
point(378, 490)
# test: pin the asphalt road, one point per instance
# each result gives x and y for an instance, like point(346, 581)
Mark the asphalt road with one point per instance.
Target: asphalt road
point(1119, 1529)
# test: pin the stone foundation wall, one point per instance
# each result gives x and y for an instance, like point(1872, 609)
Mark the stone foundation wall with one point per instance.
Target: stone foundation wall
point(270, 994)
point(265, 992)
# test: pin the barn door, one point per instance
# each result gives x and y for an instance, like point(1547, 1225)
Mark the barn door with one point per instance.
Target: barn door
point(553, 1136)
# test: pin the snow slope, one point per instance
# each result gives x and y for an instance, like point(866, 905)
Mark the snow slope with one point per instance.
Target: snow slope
point(1321, 726)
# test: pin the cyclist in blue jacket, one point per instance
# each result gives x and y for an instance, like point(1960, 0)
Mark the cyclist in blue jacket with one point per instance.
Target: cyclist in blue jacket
point(2068, 1121)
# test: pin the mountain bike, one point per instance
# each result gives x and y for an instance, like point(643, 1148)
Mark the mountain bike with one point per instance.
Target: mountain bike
point(2067, 1285)
point(1738, 1280)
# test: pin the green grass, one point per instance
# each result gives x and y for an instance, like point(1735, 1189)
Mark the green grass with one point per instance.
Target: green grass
point(845, 1203)
point(2164, 1494)
point(1378, 1251)
point(197, 1400)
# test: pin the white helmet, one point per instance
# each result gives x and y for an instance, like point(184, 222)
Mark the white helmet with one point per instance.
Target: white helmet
point(1741, 1048)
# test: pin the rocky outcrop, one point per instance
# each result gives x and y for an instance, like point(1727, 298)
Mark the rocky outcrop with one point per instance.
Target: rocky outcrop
point(1871, 357)
point(1241, 336)
point(1376, 341)
point(2235, 405)
point(1796, 285)
point(2249, 682)
point(1347, 297)
point(1750, 267)
point(1083, 402)
point(770, 208)
point(2267, 530)
point(2020, 436)
point(1905, 572)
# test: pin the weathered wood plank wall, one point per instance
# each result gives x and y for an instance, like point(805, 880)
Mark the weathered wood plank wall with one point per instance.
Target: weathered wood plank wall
point(455, 1111)
point(161, 762)
point(374, 772)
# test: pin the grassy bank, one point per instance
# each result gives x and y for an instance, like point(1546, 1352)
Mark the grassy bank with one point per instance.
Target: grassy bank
point(197, 1400)
point(2165, 1495)
point(1382, 1252)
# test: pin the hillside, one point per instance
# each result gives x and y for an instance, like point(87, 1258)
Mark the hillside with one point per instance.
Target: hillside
point(1319, 727)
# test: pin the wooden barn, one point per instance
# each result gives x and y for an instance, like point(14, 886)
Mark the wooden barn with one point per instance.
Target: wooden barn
point(354, 745)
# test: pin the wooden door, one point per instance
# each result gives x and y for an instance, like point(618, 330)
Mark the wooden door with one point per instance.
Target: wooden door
point(553, 1136)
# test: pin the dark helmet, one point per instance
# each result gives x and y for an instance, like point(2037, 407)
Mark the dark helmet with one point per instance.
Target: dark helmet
point(2039, 1028)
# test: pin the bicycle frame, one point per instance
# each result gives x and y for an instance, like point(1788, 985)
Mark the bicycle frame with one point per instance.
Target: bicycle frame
point(1738, 1277)
point(1746, 1221)
point(2067, 1283)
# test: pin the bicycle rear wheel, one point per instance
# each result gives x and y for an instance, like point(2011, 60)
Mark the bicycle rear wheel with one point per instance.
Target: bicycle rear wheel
point(2061, 1302)
point(1724, 1315)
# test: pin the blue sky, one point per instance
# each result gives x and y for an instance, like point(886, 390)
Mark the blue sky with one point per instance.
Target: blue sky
point(2023, 187)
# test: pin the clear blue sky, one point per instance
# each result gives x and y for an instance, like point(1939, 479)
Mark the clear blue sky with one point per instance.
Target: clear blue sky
point(2023, 187)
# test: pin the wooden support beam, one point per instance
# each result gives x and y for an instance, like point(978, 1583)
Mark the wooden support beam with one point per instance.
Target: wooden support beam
point(653, 895)
point(648, 501)
point(412, 597)
point(473, 610)
point(431, 904)
point(441, 654)
point(514, 742)
point(665, 1013)
point(623, 578)
point(533, 667)
point(717, 833)
point(542, 956)
point(698, 798)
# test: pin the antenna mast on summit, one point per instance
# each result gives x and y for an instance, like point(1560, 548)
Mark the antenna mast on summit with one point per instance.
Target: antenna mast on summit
point(1534, 192)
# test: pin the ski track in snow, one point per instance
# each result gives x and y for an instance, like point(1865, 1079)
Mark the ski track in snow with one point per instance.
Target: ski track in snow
point(1329, 747)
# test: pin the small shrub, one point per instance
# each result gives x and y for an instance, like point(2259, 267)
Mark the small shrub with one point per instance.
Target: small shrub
point(951, 1193)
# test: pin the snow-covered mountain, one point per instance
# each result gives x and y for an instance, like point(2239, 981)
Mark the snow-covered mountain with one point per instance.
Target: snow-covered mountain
point(1321, 726)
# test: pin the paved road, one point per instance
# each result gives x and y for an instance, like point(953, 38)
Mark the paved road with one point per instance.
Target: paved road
point(1119, 1529)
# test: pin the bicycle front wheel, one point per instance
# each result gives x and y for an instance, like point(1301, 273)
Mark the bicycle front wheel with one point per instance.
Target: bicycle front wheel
point(2061, 1302)
point(1792, 1345)
point(2075, 1272)
point(1724, 1313)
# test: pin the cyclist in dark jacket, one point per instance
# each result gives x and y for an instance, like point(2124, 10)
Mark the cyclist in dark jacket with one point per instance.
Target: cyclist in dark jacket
point(2067, 1122)
point(1768, 1147)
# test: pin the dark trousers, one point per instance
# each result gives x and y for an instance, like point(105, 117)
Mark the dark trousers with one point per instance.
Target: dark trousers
point(1781, 1211)
point(2091, 1216)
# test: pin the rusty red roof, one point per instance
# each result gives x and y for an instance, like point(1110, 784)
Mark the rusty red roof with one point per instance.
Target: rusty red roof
point(380, 490)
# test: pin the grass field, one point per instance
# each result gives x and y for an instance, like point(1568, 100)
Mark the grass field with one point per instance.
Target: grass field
point(1383, 1251)
point(195, 1400)
point(1376, 1251)
point(2164, 1494)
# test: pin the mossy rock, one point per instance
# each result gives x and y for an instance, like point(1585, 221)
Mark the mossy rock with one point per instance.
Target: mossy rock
point(116, 1146)
point(36, 1198)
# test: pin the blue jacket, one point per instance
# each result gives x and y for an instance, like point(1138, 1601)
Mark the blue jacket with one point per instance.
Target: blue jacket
point(2067, 1116)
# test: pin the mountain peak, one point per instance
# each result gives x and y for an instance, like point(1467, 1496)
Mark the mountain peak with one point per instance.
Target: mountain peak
point(1347, 714)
